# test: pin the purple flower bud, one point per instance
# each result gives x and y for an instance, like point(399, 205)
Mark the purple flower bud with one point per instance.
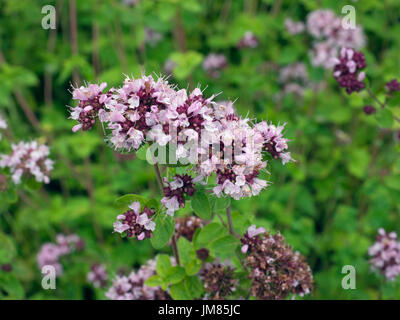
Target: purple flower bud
point(369, 110)
point(202, 254)
point(393, 86)
point(6, 267)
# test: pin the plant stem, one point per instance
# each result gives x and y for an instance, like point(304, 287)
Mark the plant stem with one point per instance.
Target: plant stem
point(230, 224)
point(159, 179)
point(73, 33)
point(175, 248)
point(382, 105)
point(373, 96)
point(173, 239)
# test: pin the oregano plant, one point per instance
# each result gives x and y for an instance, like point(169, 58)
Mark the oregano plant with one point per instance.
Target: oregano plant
point(205, 157)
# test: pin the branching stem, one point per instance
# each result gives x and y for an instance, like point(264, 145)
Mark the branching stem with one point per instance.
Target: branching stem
point(173, 239)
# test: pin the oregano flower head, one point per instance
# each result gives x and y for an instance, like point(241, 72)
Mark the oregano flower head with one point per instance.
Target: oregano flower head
point(219, 280)
point(28, 159)
point(385, 254)
point(276, 271)
point(50, 253)
point(97, 276)
point(132, 287)
point(347, 70)
point(136, 223)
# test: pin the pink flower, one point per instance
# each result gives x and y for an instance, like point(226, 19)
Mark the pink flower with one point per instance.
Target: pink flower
point(132, 287)
point(28, 159)
point(294, 27)
point(249, 40)
point(97, 276)
point(171, 204)
point(385, 253)
point(253, 231)
point(213, 63)
point(50, 253)
point(136, 222)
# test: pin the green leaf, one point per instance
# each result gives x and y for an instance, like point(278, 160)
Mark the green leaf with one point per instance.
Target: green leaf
point(163, 264)
point(194, 286)
point(193, 267)
point(186, 62)
point(358, 162)
point(385, 118)
point(208, 234)
point(153, 203)
point(164, 229)
point(219, 204)
point(393, 181)
point(10, 195)
point(224, 247)
point(186, 250)
point(141, 153)
point(123, 202)
point(11, 288)
point(32, 184)
point(240, 222)
point(175, 275)
point(201, 205)
point(154, 281)
point(7, 249)
point(180, 292)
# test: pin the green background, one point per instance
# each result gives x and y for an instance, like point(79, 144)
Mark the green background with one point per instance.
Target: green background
point(344, 185)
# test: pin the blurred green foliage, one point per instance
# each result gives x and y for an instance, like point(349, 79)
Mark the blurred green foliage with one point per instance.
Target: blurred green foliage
point(328, 204)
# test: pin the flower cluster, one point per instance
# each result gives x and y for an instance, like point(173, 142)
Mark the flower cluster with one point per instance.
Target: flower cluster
point(90, 98)
point(347, 70)
point(175, 191)
point(276, 271)
point(152, 37)
point(3, 124)
point(130, 2)
point(50, 253)
point(97, 276)
point(250, 239)
point(273, 141)
point(28, 159)
point(239, 161)
point(6, 267)
point(295, 71)
point(249, 40)
point(132, 287)
point(219, 280)
point(187, 226)
point(294, 78)
point(147, 110)
point(294, 27)
point(213, 64)
point(392, 86)
point(329, 35)
point(385, 253)
point(135, 222)
point(169, 67)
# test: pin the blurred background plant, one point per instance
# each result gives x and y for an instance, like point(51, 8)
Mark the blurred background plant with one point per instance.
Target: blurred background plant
point(329, 204)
